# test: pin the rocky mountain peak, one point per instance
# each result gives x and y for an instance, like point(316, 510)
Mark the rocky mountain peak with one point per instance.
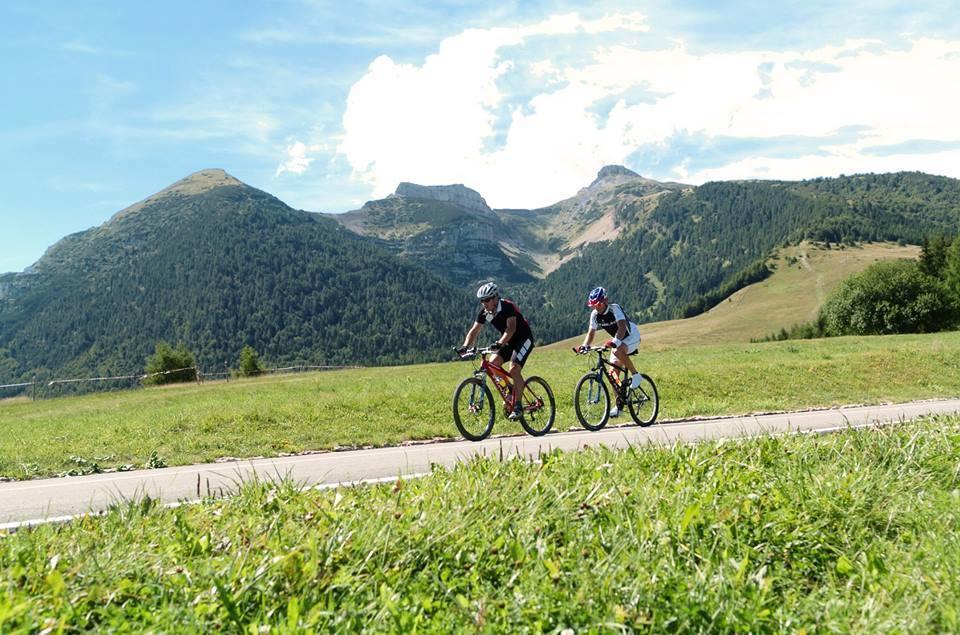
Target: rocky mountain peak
point(616, 173)
point(458, 194)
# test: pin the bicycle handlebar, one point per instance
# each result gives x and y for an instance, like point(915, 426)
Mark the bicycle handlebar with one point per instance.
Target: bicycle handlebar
point(474, 351)
point(589, 349)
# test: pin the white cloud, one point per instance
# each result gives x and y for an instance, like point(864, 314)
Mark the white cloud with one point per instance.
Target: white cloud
point(434, 123)
point(297, 160)
point(810, 166)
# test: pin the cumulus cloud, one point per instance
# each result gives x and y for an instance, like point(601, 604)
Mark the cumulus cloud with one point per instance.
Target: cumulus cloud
point(450, 119)
point(297, 160)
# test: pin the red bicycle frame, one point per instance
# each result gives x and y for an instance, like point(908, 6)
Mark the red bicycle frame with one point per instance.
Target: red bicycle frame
point(500, 379)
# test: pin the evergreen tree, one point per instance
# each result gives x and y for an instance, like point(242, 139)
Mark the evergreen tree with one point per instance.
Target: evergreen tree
point(951, 269)
point(933, 257)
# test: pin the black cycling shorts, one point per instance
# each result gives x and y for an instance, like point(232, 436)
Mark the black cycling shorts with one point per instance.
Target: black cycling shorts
point(517, 352)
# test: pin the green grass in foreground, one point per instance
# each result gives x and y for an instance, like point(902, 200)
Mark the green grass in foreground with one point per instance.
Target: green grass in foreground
point(383, 406)
point(853, 532)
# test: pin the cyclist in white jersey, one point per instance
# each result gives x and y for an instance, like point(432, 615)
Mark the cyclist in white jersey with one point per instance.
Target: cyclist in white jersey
point(625, 336)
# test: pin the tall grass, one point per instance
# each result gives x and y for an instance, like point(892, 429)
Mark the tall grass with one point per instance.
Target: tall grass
point(382, 406)
point(853, 532)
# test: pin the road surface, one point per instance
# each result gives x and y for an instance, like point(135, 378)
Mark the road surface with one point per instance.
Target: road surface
point(29, 502)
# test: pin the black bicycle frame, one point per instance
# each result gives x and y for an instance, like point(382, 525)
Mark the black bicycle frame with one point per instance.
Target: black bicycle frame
point(619, 385)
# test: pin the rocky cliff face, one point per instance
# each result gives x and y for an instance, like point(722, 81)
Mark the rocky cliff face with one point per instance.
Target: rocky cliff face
point(458, 195)
point(612, 175)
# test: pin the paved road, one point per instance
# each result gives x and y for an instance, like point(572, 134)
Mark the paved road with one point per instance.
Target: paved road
point(34, 501)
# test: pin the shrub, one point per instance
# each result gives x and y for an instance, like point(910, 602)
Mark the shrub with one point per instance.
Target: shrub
point(168, 365)
point(249, 362)
point(888, 297)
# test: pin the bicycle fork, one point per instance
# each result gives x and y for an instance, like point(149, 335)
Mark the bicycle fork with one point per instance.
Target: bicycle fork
point(477, 395)
point(595, 389)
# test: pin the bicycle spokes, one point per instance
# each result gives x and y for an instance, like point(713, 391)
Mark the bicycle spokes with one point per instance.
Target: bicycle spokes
point(473, 410)
point(538, 407)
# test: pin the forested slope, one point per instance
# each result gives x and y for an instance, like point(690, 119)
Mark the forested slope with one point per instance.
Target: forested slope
point(219, 269)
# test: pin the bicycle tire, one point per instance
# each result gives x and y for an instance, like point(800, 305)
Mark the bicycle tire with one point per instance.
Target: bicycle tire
point(477, 405)
point(643, 400)
point(595, 389)
point(537, 421)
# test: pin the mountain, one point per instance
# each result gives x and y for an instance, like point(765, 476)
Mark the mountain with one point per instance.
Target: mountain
point(689, 248)
point(556, 234)
point(218, 264)
point(448, 229)
point(451, 229)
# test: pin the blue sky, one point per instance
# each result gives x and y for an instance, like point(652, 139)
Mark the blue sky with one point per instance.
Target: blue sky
point(327, 105)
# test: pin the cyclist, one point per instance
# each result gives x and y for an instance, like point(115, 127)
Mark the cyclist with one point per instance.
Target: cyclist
point(625, 334)
point(516, 338)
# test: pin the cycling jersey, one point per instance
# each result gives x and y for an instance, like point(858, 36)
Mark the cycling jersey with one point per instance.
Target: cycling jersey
point(609, 318)
point(521, 343)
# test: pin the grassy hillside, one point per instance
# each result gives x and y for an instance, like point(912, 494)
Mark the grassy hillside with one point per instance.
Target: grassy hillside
point(803, 277)
point(380, 406)
point(853, 532)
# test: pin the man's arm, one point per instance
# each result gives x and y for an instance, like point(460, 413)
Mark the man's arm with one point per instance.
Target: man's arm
point(591, 332)
point(622, 329)
point(510, 329)
point(472, 334)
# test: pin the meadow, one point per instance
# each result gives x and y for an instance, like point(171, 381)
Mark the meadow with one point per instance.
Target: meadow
point(849, 532)
point(274, 415)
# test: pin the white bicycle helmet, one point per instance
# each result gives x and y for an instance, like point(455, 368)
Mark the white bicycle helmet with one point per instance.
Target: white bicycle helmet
point(487, 291)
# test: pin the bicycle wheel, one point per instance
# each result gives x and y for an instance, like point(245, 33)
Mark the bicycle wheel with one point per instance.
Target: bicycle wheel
point(539, 407)
point(644, 402)
point(473, 409)
point(591, 400)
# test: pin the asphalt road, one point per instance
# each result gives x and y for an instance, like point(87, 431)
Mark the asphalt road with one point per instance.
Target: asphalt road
point(28, 502)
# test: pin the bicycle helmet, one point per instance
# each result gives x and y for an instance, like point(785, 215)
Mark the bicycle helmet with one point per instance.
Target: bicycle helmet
point(597, 297)
point(487, 291)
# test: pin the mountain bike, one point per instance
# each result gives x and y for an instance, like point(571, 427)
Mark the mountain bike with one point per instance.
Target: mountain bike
point(591, 398)
point(474, 409)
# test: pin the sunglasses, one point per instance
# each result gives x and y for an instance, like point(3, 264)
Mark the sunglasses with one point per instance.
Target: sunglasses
point(485, 300)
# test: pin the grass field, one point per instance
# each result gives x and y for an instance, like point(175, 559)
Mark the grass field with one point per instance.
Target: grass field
point(383, 406)
point(852, 532)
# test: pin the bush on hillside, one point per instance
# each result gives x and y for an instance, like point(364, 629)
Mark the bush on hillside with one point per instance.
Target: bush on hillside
point(170, 365)
point(886, 298)
point(249, 364)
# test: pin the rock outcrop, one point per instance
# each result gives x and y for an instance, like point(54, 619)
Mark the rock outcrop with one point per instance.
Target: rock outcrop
point(458, 195)
point(610, 174)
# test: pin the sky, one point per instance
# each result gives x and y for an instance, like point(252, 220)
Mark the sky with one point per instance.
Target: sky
point(327, 105)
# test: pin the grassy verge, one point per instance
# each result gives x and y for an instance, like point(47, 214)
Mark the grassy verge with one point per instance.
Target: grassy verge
point(381, 406)
point(853, 532)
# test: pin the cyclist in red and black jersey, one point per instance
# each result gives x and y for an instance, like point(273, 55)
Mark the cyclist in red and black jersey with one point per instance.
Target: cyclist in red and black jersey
point(516, 338)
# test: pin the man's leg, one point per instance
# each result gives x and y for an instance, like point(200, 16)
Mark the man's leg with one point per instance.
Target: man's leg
point(516, 374)
point(624, 359)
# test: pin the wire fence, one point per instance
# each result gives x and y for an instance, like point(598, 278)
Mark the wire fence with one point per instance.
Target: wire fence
point(47, 386)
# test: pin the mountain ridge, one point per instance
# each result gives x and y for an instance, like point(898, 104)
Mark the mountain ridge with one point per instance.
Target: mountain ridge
point(218, 264)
